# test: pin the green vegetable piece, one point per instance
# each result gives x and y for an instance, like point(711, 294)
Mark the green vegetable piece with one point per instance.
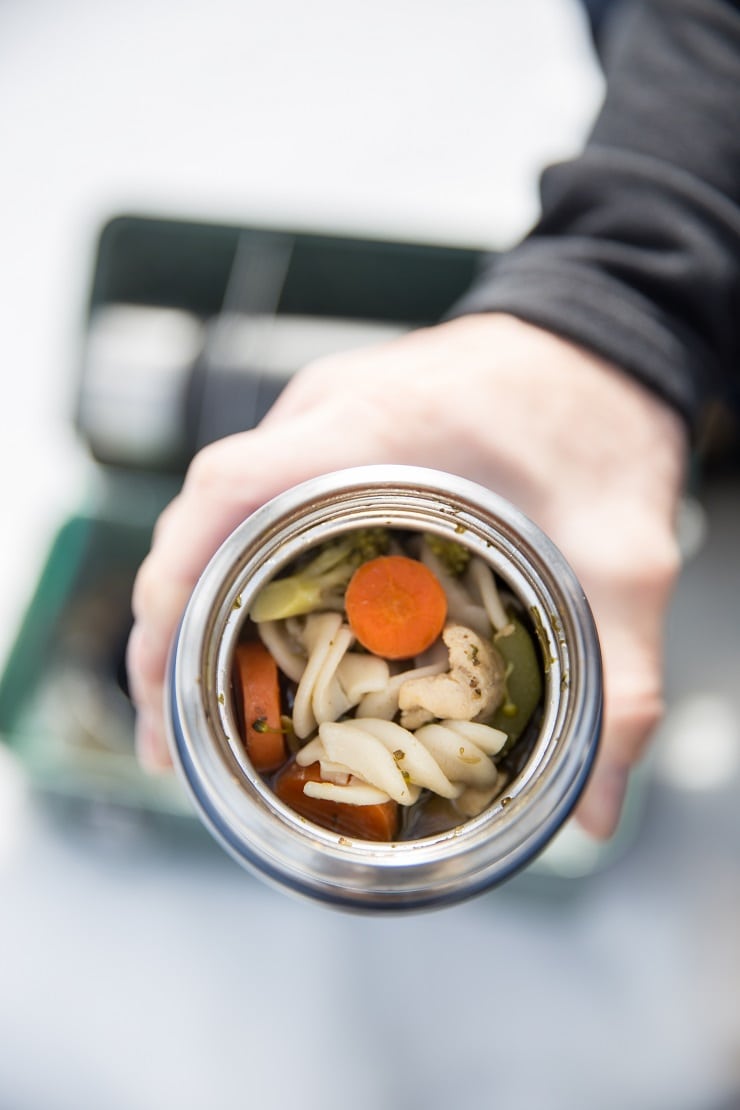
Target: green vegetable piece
point(321, 582)
point(523, 682)
point(451, 554)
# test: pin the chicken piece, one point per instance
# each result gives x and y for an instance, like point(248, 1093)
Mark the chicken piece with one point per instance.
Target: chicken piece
point(471, 689)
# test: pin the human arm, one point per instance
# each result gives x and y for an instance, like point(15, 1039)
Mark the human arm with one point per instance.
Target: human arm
point(637, 253)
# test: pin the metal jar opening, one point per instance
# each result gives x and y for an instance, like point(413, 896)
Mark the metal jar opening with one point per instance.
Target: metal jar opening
point(270, 839)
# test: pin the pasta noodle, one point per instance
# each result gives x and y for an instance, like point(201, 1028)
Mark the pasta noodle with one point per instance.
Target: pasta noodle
point(367, 757)
point(383, 703)
point(460, 759)
point(413, 758)
point(328, 699)
point(333, 679)
point(353, 793)
point(320, 630)
point(362, 676)
point(482, 576)
point(276, 637)
point(439, 757)
point(490, 740)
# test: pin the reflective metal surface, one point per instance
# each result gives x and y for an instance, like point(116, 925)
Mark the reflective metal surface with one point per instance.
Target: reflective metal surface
point(240, 808)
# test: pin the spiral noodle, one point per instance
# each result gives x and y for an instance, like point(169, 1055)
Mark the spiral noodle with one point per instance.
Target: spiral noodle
point(482, 576)
point(449, 758)
point(333, 679)
point(283, 648)
point(383, 703)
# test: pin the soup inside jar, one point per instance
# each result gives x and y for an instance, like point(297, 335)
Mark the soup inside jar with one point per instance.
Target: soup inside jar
point(387, 685)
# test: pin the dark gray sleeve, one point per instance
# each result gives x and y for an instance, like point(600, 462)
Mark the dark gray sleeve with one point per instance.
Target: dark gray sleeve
point(637, 252)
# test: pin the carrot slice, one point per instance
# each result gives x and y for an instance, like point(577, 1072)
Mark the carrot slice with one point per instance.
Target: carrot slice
point(256, 682)
point(396, 606)
point(373, 822)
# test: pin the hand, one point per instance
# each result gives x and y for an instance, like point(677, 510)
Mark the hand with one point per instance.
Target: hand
point(590, 455)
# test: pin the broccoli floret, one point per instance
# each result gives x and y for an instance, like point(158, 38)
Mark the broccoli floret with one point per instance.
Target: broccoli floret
point(320, 583)
point(452, 555)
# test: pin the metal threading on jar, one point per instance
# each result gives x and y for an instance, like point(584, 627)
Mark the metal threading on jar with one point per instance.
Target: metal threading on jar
point(269, 837)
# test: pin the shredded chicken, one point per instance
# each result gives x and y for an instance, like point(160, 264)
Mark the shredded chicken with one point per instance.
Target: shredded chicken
point(471, 689)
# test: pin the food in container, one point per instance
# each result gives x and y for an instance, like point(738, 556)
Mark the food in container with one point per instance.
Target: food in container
point(383, 682)
point(385, 693)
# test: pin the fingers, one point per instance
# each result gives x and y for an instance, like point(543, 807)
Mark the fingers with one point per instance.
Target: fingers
point(630, 617)
point(627, 730)
point(186, 535)
point(224, 484)
point(600, 807)
point(146, 663)
point(214, 499)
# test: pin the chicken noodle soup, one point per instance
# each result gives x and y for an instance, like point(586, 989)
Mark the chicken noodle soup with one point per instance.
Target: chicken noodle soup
point(387, 684)
point(297, 645)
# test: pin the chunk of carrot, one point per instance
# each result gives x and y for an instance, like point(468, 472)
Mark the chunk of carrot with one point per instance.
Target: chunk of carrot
point(395, 606)
point(374, 822)
point(258, 690)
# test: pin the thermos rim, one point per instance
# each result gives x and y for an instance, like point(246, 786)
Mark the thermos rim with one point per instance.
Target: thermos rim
point(240, 809)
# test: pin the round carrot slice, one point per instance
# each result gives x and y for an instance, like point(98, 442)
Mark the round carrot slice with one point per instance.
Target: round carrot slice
point(258, 689)
point(395, 606)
